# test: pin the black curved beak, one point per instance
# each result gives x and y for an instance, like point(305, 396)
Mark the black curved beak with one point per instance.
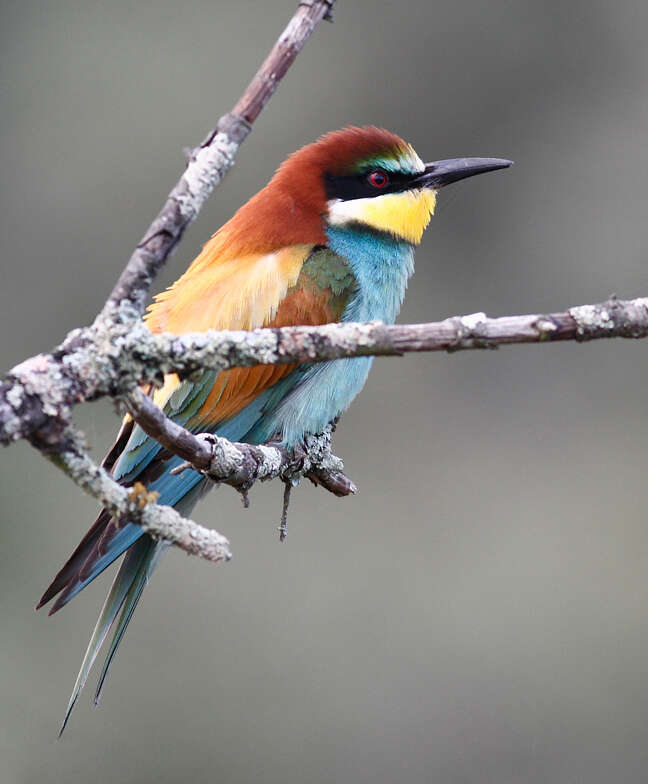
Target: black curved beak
point(440, 173)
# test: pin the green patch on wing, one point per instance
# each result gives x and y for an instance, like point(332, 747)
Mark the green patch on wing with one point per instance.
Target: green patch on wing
point(324, 270)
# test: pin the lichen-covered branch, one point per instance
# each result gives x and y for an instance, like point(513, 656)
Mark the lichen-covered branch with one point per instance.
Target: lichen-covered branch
point(218, 350)
point(133, 504)
point(241, 465)
point(113, 357)
point(208, 163)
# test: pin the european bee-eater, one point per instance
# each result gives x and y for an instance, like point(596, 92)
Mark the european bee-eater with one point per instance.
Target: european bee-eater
point(330, 238)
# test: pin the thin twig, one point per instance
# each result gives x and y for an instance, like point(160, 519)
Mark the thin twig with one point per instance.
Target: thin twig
point(208, 163)
point(240, 465)
point(134, 504)
point(283, 525)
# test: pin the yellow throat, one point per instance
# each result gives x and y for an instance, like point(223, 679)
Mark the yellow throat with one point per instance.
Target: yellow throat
point(405, 214)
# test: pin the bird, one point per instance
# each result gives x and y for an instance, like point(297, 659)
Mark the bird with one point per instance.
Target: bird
point(330, 238)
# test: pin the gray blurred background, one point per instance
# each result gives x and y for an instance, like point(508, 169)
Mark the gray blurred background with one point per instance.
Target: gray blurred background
point(478, 613)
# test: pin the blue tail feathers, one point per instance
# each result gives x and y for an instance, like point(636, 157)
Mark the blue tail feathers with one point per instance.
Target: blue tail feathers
point(126, 577)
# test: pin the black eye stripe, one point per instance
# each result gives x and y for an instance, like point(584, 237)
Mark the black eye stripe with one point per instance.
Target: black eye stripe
point(357, 186)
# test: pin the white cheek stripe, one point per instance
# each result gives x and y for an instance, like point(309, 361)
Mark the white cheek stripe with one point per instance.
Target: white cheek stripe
point(341, 212)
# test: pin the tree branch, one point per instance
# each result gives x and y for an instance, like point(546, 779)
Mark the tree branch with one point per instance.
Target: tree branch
point(111, 358)
point(134, 504)
point(241, 465)
point(209, 162)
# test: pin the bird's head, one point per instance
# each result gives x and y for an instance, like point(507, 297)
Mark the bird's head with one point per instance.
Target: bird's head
point(356, 177)
point(369, 177)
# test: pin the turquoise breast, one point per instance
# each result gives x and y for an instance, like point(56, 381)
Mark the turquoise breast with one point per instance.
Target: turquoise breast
point(311, 397)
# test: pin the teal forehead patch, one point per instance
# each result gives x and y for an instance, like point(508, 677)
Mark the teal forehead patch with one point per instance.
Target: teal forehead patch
point(403, 160)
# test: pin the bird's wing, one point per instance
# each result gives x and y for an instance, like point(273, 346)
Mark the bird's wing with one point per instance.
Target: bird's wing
point(297, 285)
point(319, 296)
point(218, 291)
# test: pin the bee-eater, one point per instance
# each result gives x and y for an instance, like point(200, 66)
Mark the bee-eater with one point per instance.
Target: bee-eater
point(330, 238)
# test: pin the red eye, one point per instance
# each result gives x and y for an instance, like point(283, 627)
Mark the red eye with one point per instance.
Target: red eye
point(378, 179)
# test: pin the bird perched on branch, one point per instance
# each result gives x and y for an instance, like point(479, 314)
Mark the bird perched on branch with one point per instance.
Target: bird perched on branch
point(330, 238)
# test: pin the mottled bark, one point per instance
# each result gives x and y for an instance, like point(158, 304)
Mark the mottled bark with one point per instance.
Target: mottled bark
point(112, 358)
point(134, 504)
point(241, 465)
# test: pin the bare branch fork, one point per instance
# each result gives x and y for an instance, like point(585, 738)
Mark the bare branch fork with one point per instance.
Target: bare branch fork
point(117, 354)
